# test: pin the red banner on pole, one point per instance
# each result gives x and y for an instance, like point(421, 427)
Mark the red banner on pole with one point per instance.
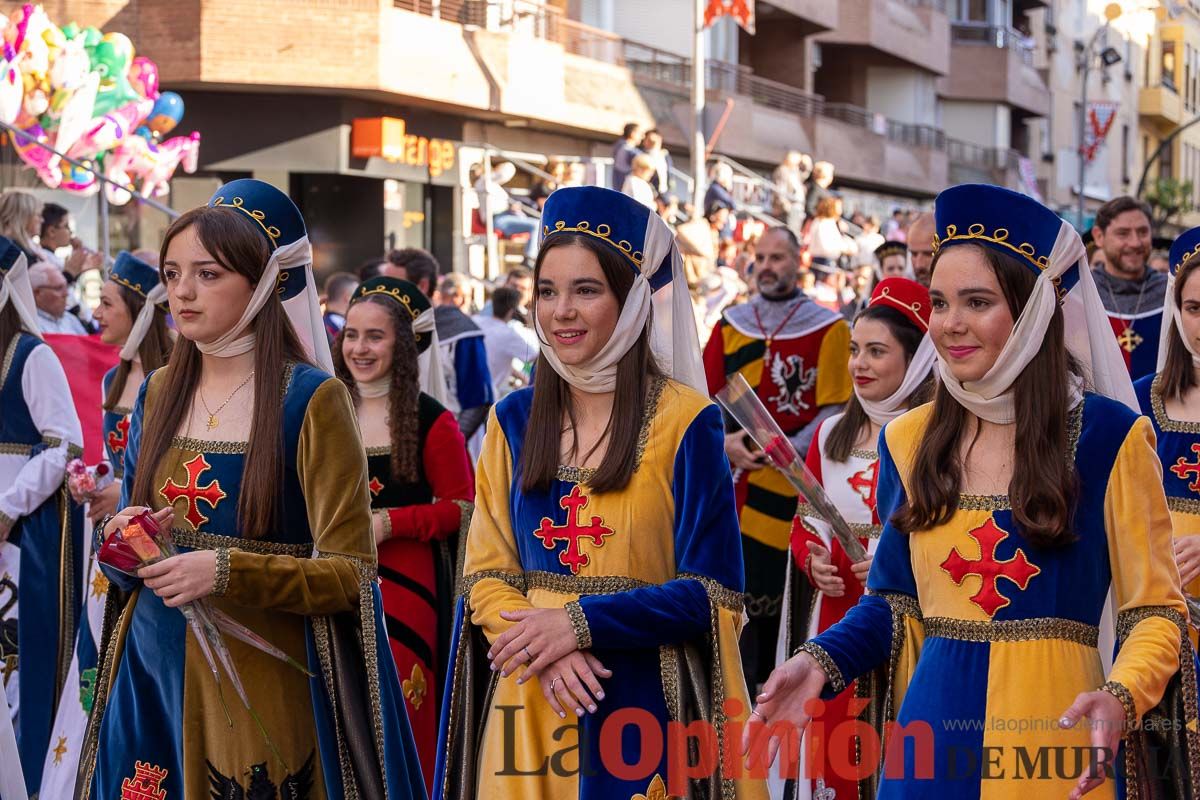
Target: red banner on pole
point(742, 12)
point(85, 359)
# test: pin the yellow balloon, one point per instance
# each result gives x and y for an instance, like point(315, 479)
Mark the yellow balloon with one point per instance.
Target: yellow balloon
point(122, 47)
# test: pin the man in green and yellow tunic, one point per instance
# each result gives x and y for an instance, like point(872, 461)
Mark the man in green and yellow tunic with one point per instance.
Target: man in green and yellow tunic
point(794, 353)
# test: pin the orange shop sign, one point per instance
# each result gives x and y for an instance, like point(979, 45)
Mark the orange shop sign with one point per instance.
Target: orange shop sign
point(388, 138)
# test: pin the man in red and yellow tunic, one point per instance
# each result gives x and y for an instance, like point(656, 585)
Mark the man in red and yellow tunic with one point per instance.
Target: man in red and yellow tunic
point(794, 353)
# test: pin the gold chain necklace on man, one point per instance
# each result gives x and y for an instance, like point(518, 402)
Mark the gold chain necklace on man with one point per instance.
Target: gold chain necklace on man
point(1129, 338)
point(212, 415)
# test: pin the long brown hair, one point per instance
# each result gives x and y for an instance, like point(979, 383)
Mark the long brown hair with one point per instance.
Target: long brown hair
point(1044, 489)
point(10, 326)
point(636, 370)
point(153, 352)
point(404, 396)
point(854, 419)
point(1179, 370)
point(235, 243)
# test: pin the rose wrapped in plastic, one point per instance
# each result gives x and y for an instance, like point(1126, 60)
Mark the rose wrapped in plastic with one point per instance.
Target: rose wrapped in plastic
point(143, 542)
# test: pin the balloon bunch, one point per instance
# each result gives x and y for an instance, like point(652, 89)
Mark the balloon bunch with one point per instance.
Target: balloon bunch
point(85, 94)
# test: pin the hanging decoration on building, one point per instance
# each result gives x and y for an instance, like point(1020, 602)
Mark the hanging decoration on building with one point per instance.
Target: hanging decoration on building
point(742, 12)
point(1100, 118)
point(1028, 174)
point(85, 94)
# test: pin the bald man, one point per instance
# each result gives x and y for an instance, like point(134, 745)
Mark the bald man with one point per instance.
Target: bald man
point(920, 247)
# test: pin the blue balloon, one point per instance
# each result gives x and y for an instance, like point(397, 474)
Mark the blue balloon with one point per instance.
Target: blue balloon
point(165, 115)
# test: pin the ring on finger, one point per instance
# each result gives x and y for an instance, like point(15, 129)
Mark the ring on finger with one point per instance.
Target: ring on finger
point(531, 656)
point(556, 680)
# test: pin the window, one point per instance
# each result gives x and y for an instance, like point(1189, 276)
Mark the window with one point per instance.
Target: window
point(1167, 64)
point(1187, 77)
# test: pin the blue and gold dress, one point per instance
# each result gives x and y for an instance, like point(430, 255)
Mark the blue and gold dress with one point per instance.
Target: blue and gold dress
point(157, 727)
point(652, 575)
point(976, 641)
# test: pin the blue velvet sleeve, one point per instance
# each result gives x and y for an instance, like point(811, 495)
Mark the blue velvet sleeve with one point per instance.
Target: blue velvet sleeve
point(707, 543)
point(862, 640)
point(127, 582)
point(471, 373)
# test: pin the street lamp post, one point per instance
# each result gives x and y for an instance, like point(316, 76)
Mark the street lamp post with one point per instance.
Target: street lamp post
point(1109, 57)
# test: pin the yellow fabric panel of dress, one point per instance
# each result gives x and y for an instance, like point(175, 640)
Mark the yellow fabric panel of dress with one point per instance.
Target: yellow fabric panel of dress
point(491, 549)
point(906, 662)
point(1184, 524)
point(833, 373)
point(334, 481)
point(1021, 719)
point(1143, 567)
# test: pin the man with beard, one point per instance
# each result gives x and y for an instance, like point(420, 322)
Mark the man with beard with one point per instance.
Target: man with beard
point(1132, 293)
point(920, 248)
point(793, 352)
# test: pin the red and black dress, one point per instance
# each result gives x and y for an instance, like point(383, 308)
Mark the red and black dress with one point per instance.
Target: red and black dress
point(417, 562)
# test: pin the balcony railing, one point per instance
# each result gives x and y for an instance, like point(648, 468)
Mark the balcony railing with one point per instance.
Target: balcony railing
point(526, 17)
point(979, 33)
point(961, 152)
point(936, 5)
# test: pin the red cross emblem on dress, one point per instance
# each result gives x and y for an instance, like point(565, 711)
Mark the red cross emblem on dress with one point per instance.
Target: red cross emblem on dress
point(118, 440)
point(1183, 468)
point(146, 783)
point(864, 483)
point(193, 492)
point(375, 486)
point(571, 533)
point(1017, 569)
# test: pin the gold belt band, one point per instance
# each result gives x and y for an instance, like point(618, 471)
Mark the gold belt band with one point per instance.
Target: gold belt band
point(1015, 630)
point(214, 541)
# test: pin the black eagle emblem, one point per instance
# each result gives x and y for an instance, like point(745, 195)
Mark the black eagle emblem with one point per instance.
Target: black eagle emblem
point(296, 786)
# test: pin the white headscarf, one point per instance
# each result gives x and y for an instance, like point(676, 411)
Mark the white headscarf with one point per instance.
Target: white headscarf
point(16, 289)
point(673, 335)
point(304, 309)
point(1089, 338)
point(1181, 252)
point(882, 412)
point(141, 325)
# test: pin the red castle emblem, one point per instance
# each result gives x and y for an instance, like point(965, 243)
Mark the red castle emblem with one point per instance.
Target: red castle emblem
point(1017, 569)
point(572, 532)
point(146, 783)
point(193, 492)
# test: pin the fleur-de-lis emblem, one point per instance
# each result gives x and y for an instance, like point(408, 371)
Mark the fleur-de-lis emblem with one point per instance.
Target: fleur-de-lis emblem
point(415, 687)
point(657, 790)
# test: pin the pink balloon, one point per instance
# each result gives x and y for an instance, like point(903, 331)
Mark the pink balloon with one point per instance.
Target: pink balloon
point(143, 77)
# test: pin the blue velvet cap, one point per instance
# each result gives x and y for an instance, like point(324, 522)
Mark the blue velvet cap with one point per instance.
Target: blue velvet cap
point(133, 273)
point(1005, 221)
point(275, 216)
point(615, 219)
point(274, 213)
point(9, 253)
point(412, 299)
point(1183, 248)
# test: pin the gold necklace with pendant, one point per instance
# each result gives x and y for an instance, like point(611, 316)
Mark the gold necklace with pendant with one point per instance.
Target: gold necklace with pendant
point(212, 415)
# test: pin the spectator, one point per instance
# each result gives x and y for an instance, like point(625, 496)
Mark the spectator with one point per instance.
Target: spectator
point(460, 342)
point(1159, 261)
point(718, 216)
point(508, 217)
point(788, 196)
point(544, 187)
point(826, 241)
point(652, 146)
point(894, 226)
point(21, 220)
point(637, 183)
point(504, 338)
point(338, 288)
point(521, 279)
point(373, 268)
point(868, 241)
point(50, 295)
point(454, 290)
point(624, 149)
point(920, 248)
point(720, 187)
point(576, 174)
point(816, 188)
point(668, 208)
point(55, 234)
